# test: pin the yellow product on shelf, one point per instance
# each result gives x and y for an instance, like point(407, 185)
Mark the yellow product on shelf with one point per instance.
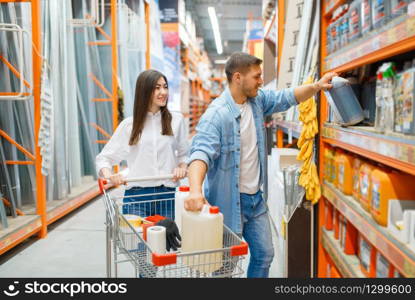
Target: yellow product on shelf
point(345, 173)
point(356, 167)
point(335, 166)
point(365, 185)
point(328, 161)
point(387, 185)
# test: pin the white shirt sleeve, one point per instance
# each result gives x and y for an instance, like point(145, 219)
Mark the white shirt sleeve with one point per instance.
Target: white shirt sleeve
point(182, 142)
point(115, 150)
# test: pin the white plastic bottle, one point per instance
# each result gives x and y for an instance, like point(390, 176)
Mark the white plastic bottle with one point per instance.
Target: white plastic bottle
point(379, 116)
point(181, 194)
point(203, 231)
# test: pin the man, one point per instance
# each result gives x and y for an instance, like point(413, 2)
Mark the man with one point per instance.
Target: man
point(229, 147)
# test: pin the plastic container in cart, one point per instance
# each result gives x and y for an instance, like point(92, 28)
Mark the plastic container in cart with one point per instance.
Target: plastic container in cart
point(203, 231)
point(181, 194)
point(129, 242)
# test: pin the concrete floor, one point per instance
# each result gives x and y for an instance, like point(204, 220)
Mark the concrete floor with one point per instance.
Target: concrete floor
point(75, 247)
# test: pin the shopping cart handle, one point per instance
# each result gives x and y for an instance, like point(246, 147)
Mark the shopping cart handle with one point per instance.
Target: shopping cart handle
point(102, 183)
point(157, 177)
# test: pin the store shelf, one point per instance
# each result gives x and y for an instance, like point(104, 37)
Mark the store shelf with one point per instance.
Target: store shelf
point(77, 198)
point(23, 227)
point(19, 229)
point(348, 265)
point(397, 253)
point(397, 151)
point(332, 5)
point(290, 127)
point(395, 38)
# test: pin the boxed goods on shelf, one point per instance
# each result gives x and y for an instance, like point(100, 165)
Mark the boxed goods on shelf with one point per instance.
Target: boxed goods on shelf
point(357, 162)
point(367, 256)
point(407, 83)
point(387, 185)
point(344, 175)
point(366, 16)
point(380, 12)
point(400, 216)
point(365, 185)
point(354, 16)
point(398, 7)
point(384, 269)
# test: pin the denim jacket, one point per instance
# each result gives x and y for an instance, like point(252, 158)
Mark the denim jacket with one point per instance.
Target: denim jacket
point(218, 143)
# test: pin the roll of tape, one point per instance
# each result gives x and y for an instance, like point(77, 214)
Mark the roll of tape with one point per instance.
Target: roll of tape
point(156, 239)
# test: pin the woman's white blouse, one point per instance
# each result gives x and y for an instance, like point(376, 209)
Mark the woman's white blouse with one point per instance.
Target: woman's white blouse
point(154, 154)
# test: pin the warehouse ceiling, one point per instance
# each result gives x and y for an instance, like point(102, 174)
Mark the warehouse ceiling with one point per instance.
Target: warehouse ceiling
point(232, 16)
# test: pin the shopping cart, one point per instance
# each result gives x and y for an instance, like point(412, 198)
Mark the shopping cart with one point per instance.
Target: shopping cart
point(127, 238)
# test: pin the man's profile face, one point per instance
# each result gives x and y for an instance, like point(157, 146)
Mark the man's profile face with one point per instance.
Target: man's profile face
point(252, 81)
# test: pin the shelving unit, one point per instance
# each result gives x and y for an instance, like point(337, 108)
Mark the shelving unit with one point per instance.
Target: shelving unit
point(348, 265)
point(199, 97)
point(292, 129)
point(23, 227)
point(393, 150)
point(397, 253)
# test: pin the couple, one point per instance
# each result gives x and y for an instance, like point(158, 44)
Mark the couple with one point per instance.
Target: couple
point(227, 152)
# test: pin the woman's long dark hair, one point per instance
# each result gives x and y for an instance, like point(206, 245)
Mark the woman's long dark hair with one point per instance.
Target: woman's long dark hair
point(144, 91)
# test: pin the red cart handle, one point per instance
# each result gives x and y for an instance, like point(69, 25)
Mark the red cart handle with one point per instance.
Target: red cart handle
point(102, 183)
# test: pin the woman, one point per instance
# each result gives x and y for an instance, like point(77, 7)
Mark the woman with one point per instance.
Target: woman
point(153, 142)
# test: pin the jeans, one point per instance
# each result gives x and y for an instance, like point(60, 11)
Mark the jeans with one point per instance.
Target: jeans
point(256, 231)
point(164, 208)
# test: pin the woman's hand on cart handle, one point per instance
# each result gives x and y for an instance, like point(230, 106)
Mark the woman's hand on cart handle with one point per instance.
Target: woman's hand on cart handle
point(116, 179)
point(195, 202)
point(179, 173)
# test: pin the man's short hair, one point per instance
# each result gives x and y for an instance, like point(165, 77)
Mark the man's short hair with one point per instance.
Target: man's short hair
point(240, 62)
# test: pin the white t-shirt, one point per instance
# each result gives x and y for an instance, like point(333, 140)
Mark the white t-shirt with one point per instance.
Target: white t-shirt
point(154, 154)
point(249, 167)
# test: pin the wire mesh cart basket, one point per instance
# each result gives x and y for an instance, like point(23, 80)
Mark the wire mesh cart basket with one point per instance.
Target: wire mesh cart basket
point(127, 221)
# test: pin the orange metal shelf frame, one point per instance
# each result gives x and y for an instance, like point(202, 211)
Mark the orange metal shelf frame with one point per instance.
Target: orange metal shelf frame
point(38, 223)
point(348, 265)
point(397, 38)
point(398, 153)
point(331, 6)
point(401, 256)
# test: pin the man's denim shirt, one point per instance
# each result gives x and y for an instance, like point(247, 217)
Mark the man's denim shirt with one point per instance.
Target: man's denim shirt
point(218, 143)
